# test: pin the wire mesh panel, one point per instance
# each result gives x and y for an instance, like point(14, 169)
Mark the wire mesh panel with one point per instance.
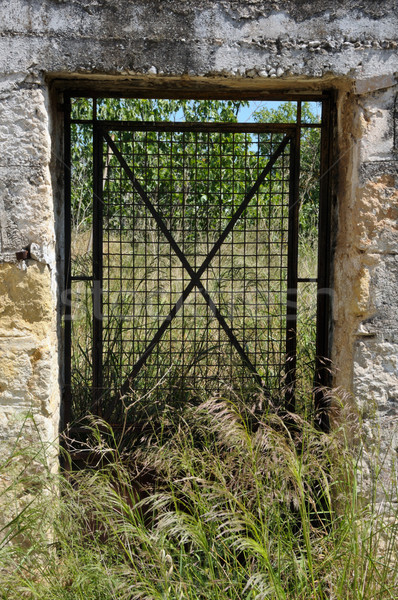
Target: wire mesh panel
point(193, 269)
point(197, 258)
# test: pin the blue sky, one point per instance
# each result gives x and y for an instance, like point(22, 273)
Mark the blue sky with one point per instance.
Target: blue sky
point(246, 112)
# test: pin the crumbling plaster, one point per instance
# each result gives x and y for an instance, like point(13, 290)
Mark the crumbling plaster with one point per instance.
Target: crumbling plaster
point(229, 46)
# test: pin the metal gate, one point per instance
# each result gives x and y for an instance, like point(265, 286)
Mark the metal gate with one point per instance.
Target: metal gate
point(194, 274)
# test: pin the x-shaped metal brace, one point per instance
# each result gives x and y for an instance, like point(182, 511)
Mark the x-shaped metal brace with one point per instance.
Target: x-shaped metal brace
point(195, 275)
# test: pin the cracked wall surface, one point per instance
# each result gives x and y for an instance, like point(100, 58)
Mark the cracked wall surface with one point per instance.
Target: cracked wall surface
point(234, 46)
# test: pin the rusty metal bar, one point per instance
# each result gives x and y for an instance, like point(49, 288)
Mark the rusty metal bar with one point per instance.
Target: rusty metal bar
point(324, 299)
point(292, 268)
point(97, 351)
point(191, 126)
point(67, 292)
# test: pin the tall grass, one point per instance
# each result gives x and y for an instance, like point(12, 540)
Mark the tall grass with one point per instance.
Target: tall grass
point(232, 505)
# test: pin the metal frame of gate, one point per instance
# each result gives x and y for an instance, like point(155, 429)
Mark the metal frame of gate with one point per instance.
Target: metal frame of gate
point(288, 140)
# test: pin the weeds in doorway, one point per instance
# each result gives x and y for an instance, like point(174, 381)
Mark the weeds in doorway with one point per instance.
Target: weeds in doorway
point(231, 506)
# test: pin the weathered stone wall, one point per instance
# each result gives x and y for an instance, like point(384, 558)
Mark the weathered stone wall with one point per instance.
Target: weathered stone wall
point(349, 46)
point(366, 348)
point(28, 333)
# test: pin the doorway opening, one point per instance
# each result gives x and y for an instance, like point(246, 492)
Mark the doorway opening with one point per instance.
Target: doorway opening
point(197, 253)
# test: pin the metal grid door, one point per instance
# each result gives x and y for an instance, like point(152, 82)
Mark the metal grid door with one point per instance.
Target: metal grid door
point(194, 261)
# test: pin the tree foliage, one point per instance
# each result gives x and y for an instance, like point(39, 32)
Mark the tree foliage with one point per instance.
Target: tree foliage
point(206, 176)
point(310, 141)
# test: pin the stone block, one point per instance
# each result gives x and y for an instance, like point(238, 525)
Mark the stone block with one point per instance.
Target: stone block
point(26, 299)
point(28, 362)
point(375, 218)
point(377, 141)
point(24, 135)
point(26, 208)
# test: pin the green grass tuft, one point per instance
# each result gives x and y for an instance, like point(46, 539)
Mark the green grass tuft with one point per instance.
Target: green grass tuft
point(218, 502)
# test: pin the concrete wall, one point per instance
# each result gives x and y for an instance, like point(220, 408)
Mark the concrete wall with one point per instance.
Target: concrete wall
point(231, 45)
